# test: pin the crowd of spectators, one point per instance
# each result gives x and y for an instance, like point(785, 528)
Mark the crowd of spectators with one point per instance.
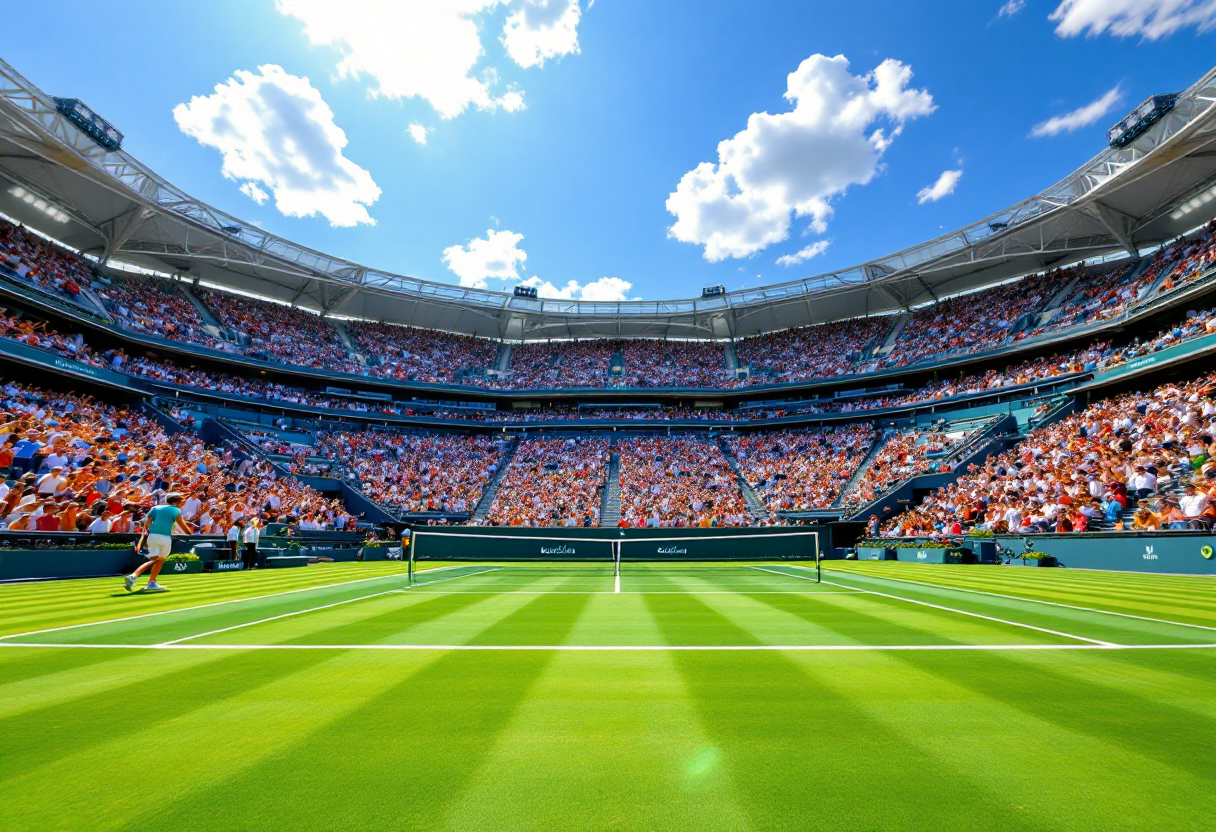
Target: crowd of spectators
point(559, 364)
point(975, 322)
point(809, 352)
point(281, 333)
point(678, 481)
point(903, 454)
point(410, 354)
point(1150, 453)
point(797, 470)
point(42, 263)
point(414, 471)
point(154, 306)
point(552, 482)
point(75, 464)
point(653, 363)
point(971, 323)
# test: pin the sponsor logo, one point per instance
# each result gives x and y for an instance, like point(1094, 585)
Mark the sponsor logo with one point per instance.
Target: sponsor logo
point(1148, 553)
point(228, 566)
point(180, 566)
point(672, 550)
point(921, 554)
point(558, 550)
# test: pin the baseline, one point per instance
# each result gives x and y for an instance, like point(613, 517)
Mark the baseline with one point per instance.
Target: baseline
point(595, 648)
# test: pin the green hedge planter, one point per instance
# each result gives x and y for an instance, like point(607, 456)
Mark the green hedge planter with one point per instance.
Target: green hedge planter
point(182, 567)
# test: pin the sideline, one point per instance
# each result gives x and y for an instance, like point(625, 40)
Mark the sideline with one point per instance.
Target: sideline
point(1029, 600)
point(985, 617)
point(207, 606)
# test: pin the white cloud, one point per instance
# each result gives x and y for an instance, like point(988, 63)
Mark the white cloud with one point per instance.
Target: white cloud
point(1150, 19)
point(251, 190)
point(813, 250)
point(604, 289)
point(944, 186)
point(421, 48)
point(274, 130)
point(497, 256)
point(1092, 112)
point(541, 29)
point(417, 132)
point(1011, 8)
point(795, 162)
point(430, 49)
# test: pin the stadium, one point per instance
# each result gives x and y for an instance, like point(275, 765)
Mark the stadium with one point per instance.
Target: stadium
point(924, 543)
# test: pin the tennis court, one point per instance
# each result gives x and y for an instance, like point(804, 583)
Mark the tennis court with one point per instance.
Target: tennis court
point(694, 695)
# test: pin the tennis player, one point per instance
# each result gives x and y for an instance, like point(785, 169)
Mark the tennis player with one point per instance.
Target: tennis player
point(158, 530)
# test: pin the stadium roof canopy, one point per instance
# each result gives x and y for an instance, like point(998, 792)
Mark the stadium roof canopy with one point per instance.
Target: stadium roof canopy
point(112, 206)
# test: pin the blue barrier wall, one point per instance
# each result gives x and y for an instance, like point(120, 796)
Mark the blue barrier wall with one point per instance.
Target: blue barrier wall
point(1167, 552)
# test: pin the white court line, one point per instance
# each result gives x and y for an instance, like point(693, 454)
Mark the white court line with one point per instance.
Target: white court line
point(1031, 600)
point(985, 617)
point(206, 606)
point(310, 609)
point(650, 592)
point(597, 648)
point(788, 575)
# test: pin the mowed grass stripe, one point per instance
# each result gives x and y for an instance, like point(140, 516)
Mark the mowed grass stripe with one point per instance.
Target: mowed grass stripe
point(41, 736)
point(640, 757)
point(1080, 624)
point(1191, 599)
point(1201, 597)
point(116, 604)
point(868, 619)
point(197, 749)
point(798, 752)
point(1112, 713)
point(1078, 782)
point(175, 624)
point(402, 759)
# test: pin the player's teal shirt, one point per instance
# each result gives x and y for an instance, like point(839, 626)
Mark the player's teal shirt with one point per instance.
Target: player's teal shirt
point(162, 519)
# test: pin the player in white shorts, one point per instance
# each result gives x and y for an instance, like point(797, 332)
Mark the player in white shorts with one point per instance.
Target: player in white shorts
point(158, 530)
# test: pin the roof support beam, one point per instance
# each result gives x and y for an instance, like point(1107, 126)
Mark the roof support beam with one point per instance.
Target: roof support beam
point(119, 229)
point(1116, 222)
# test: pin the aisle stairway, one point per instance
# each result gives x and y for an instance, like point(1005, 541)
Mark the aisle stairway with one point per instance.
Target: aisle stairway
point(487, 497)
point(879, 441)
point(610, 505)
point(754, 503)
point(209, 320)
point(349, 343)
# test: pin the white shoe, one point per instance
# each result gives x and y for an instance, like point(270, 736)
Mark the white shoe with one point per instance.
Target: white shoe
point(153, 587)
point(129, 582)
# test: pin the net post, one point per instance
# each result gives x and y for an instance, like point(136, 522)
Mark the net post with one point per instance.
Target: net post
point(413, 541)
point(818, 558)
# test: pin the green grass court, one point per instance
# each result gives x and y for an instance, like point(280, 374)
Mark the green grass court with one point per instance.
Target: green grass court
point(699, 697)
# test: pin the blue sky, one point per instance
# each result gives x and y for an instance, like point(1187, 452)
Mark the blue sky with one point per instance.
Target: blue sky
point(582, 143)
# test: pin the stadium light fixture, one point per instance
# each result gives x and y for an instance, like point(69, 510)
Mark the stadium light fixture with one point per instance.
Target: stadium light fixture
point(1194, 203)
point(42, 205)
